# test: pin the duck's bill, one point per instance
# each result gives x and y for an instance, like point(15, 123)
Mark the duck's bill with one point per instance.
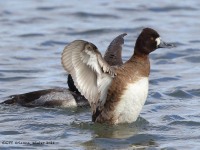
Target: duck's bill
point(165, 45)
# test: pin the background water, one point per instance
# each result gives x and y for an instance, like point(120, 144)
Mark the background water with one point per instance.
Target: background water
point(33, 34)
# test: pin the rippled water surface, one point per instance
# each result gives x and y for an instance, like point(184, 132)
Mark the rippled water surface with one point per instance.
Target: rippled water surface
point(33, 34)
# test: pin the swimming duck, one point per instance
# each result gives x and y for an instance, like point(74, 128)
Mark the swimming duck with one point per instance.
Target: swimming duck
point(63, 97)
point(115, 94)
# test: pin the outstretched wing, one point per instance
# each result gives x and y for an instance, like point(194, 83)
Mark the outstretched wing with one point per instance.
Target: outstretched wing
point(113, 54)
point(84, 62)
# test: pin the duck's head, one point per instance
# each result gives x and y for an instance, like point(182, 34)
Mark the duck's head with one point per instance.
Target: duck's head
point(148, 41)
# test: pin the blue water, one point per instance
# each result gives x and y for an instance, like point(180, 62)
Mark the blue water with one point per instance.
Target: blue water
point(33, 35)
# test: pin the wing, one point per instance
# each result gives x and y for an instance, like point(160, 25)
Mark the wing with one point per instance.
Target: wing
point(84, 62)
point(112, 57)
point(113, 54)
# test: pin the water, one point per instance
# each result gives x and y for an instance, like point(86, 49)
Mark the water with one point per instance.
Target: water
point(33, 35)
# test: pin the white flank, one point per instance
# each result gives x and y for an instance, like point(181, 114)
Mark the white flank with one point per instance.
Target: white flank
point(66, 98)
point(132, 101)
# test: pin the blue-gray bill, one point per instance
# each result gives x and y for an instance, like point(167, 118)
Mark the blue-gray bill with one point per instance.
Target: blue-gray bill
point(165, 45)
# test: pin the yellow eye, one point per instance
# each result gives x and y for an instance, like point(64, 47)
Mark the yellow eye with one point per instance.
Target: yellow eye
point(152, 38)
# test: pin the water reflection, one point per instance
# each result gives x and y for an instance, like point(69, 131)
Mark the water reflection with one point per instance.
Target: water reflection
point(120, 136)
point(113, 131)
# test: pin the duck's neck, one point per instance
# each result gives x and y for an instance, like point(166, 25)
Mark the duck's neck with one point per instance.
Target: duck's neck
point(140, 60)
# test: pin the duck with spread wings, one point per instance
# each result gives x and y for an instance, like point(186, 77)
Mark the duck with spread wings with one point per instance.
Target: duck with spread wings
point(115, 94)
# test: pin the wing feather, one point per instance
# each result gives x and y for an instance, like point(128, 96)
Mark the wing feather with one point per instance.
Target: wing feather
point(84, 62)
point(113, 53)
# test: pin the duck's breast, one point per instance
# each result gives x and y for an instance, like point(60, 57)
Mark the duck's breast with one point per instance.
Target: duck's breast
point(132, 100)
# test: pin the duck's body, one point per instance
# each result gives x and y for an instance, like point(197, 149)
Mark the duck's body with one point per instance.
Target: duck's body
point(63, 97)
point(116, 94)
point(130, 96)
point(57, 97)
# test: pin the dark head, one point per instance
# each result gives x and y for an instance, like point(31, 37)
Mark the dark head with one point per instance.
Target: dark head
point(148, 41)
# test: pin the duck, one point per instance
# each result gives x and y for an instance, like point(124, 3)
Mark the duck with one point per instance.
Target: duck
point(67, 97)
point(116, 94)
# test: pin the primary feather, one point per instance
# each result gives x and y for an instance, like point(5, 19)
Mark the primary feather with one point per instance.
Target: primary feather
point(91, 73)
